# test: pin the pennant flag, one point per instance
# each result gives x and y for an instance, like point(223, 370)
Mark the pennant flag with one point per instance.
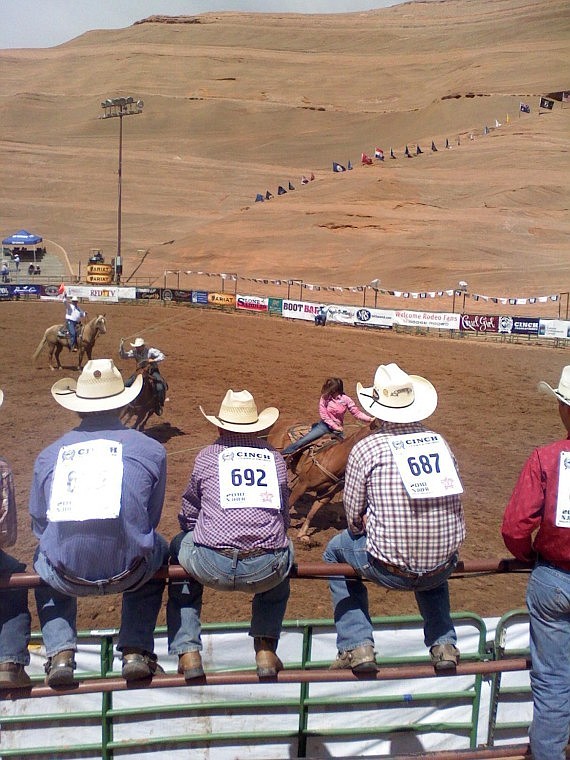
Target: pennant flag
point(379, 154)
point(446, 142)
point(281, 190)
point(365, 159)
point(268, 195)
point(508, 119)
point(524, 108)
point(349, 165)
point(566, 97)
point(338, 167)
point(485, 130)
point(304, 180)
point(291, 187)
point(497, 123)
point(433, 147)
point(419, 151)
point(407, 152)
point(546, 103)
point(392, 154)
point(312, 177)
point(259, 197)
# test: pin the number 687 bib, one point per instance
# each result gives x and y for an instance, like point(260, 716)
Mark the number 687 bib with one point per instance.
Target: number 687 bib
point(425, 465)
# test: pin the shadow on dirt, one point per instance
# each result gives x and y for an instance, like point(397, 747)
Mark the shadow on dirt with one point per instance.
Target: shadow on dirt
point(164, 432)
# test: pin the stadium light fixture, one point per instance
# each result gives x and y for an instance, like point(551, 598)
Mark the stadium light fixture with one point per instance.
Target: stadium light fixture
point(117, 108)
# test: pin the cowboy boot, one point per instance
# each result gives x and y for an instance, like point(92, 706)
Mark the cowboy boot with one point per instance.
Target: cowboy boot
point(268, 664)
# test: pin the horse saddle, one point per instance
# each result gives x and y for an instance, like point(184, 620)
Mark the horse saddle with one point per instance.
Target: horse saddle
point(63, 332)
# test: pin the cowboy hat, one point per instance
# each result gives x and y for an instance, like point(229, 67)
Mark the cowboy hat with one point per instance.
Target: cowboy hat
point(238, 413)
point(397, 396)
point(562, 393)
point(98, 388)
point(138, 343)
point(74, 299)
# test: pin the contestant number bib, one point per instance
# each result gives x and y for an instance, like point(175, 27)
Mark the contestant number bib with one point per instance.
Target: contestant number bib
point(87, 482)
point(563, 500)
point(425, 465)
point(248, 479)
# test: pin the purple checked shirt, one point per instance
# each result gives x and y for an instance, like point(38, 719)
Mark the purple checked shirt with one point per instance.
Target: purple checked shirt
point(416, 535)
point(248, 528)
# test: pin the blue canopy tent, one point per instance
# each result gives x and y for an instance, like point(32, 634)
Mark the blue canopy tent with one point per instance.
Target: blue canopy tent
point(22, 239)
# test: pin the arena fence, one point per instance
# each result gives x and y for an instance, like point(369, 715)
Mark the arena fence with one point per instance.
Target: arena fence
point(306, 708)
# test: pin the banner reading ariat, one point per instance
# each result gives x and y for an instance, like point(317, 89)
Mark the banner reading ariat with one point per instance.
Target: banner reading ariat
point(221, 299)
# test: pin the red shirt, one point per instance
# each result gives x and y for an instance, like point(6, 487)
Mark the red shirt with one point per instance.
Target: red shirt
point(532, 507)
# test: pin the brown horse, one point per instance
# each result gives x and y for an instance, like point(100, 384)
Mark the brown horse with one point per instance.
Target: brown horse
point(317, 468)
point(56, 339)
point(145, 404)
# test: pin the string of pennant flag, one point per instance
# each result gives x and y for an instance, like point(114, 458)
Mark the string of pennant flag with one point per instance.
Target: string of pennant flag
point(233, 277)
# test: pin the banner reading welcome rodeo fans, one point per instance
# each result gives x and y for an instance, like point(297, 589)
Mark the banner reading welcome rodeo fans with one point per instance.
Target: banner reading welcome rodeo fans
point(434, 320)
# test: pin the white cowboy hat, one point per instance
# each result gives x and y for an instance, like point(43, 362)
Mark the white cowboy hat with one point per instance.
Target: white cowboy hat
point(98, 388)
point(397, 396)
point(238, 413)
point(75, 299)
point(562, 393)
point(138, 343)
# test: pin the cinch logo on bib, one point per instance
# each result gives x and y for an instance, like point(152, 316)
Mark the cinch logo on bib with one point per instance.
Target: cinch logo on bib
point(87, 482)
point(248, 479)
point(563, 500)
point(425, 465)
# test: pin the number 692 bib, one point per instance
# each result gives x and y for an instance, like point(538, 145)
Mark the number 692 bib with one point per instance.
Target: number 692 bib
point(425, 465)
point(248, 479)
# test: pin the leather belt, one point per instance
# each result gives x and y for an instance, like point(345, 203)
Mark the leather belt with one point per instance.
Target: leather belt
point(408, 573)
point(241, 553)
point(106, 581)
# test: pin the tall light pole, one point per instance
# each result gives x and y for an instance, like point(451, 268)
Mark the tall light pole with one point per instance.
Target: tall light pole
point(374, 285)
point(117, 108)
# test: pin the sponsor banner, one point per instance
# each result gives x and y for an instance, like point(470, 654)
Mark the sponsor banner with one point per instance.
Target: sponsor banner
point(102, 293)
point(127, 294)
point(554, 328)
point(275, 306)
point(51, 291)
point(148, 294)
point(381, 318)
point(479, 323)
point(5, 292)
point(346, 315)
point(433, 320)
point(221, 299)
point(26, 291)
point(519, 325)
point(300, 309)
point(200, 296)
point(171, 294)
point(252, 303)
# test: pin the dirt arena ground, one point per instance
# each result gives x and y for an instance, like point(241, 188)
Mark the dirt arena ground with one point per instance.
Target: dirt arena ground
point(488, 410)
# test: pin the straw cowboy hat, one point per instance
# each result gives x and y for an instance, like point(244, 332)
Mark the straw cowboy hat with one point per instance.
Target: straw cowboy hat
point(238, 413)
point(98, 388)
point(138, 343)
point(562, 393)
point(397, 396)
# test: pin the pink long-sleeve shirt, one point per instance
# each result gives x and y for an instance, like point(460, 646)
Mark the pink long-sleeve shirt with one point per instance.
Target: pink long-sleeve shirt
point(332, 411)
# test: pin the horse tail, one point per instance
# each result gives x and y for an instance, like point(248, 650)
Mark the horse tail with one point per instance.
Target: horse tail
point(42, 343)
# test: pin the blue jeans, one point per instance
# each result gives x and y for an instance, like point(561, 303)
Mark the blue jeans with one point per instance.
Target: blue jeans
point(350, 596)
point(142, 598)
point(72, 329)
point(15, 622)
point(317, 430)
point(267, 576)
point(548, 601)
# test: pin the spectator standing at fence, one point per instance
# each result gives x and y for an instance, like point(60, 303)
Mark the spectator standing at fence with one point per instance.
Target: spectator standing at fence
point(234, 520)
point(536, 528)
point(15, 622)
point(73, 317)
point(333, 406)
point(16, 260)
point(405, 520)
point(95, 502)
point(5, 272)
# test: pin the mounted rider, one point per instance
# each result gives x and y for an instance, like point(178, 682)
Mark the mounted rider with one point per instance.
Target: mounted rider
point(146, 356)
point(73, 317)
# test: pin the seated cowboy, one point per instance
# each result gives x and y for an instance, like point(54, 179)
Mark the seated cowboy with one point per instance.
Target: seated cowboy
point(146, 356)
point(95, 502)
